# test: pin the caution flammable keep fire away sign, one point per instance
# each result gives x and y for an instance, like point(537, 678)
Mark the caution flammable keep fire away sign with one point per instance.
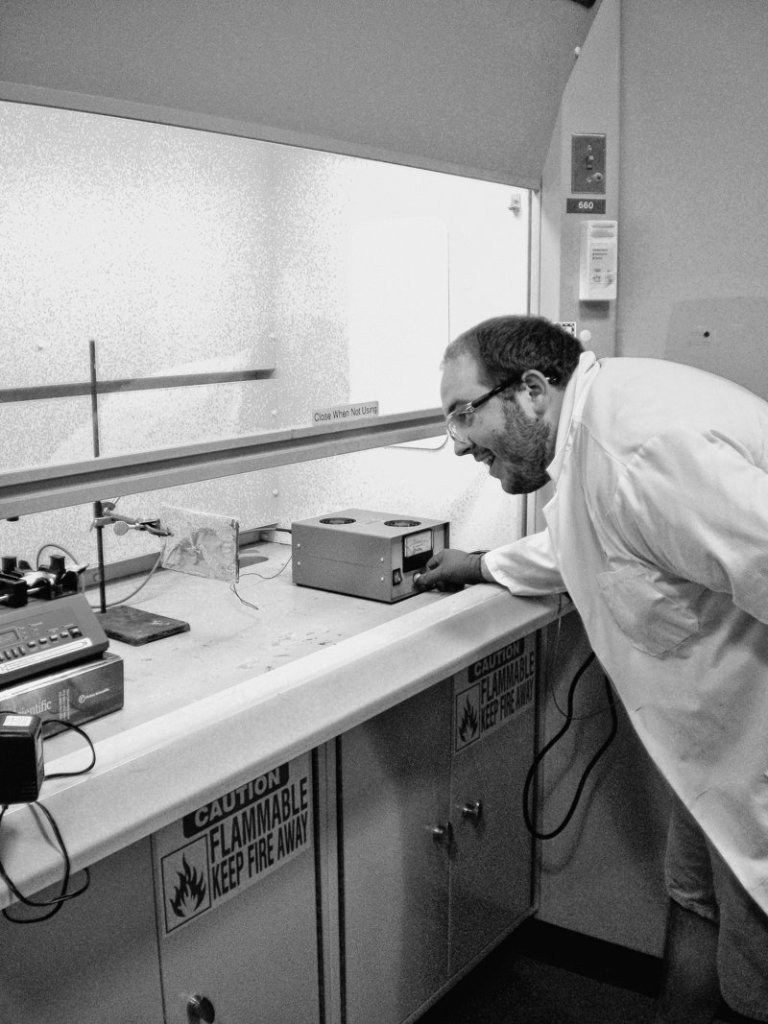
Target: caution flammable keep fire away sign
point(229, 844)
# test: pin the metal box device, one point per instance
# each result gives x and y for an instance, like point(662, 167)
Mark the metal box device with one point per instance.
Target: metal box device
point(365, 554)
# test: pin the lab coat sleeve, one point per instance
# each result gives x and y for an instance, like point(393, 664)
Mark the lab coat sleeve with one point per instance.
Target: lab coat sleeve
point(695, 505)
point(527, 567)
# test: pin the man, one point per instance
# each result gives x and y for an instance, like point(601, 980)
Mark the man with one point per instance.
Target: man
point(658, 530)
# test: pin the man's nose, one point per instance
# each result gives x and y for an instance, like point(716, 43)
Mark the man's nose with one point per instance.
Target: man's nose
point(462, 446)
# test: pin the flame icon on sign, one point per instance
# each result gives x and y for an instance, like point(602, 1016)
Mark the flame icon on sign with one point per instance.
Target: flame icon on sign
point(190, 891)
point(469, 723)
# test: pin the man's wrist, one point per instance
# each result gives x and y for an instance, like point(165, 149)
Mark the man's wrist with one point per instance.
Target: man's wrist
point(483, 576)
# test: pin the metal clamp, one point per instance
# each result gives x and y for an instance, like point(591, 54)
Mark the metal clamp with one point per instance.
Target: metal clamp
point(123, 524)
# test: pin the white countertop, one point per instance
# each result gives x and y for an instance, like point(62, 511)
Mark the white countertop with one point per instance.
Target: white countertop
point(243, 691)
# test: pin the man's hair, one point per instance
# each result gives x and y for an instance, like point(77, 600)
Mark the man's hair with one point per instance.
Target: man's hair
point(506, 346)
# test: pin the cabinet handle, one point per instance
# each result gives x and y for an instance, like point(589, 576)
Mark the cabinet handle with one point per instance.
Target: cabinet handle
point(200, 1010)
point(442, 833)
point(472, 811)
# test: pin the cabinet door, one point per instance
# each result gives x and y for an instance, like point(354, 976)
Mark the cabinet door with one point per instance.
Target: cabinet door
point(96, 960)
point(236, 904)
point(493, 739)
point(394, 792)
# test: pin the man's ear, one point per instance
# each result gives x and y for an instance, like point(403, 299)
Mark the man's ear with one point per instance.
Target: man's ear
point(537, 386)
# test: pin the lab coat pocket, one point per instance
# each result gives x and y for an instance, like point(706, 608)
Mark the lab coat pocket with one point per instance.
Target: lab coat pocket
point(654, 613)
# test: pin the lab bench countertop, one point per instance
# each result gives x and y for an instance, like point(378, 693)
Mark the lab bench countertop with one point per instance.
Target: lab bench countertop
point(264, 674)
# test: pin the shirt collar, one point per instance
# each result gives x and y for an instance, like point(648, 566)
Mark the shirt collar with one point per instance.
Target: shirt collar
point(573, 400)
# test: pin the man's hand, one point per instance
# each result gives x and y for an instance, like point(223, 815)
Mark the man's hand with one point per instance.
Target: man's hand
point(450, 570)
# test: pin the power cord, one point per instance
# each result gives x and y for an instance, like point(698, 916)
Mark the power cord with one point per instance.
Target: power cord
point(55, 903)
point(133, 593)
point(113, 604)
point(569, 719)
point(80, 732)
point(56, 547)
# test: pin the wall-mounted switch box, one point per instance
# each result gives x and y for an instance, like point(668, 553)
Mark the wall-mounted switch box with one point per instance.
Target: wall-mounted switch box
point(588, 164)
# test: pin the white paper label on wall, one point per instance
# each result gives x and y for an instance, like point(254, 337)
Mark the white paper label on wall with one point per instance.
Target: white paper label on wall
point(490, 692)
point(340, 413)
point(229, 844)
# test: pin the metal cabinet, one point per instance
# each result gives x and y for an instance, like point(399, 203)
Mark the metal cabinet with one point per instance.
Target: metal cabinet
point(354, 883)
point(436, 864)
point(395, 794)
point(236, 906)
point(215, 916)
point(492, 864)
point(96, 960)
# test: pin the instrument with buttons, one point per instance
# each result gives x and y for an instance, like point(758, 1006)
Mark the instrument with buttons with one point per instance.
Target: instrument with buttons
point(43, 637)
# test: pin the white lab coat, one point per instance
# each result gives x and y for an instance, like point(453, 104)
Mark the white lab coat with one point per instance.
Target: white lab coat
point(658, 530)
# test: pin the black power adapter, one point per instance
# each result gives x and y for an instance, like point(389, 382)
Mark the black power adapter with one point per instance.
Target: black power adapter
point(22, 762)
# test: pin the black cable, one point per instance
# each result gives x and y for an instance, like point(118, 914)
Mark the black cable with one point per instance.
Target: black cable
point(54, 904)
point(529, 824)
point(80, 732)
point(551, 659)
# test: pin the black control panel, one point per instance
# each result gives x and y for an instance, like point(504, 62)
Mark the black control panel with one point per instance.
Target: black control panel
point(40, 637)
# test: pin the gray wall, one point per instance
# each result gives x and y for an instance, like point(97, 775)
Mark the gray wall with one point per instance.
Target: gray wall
point(694, 221)
point(683, 83)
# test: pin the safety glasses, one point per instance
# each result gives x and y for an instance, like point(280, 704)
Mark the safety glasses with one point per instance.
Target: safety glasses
point(461, 419)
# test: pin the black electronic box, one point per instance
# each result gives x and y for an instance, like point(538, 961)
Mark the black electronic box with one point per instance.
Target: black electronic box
point(22, 767)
